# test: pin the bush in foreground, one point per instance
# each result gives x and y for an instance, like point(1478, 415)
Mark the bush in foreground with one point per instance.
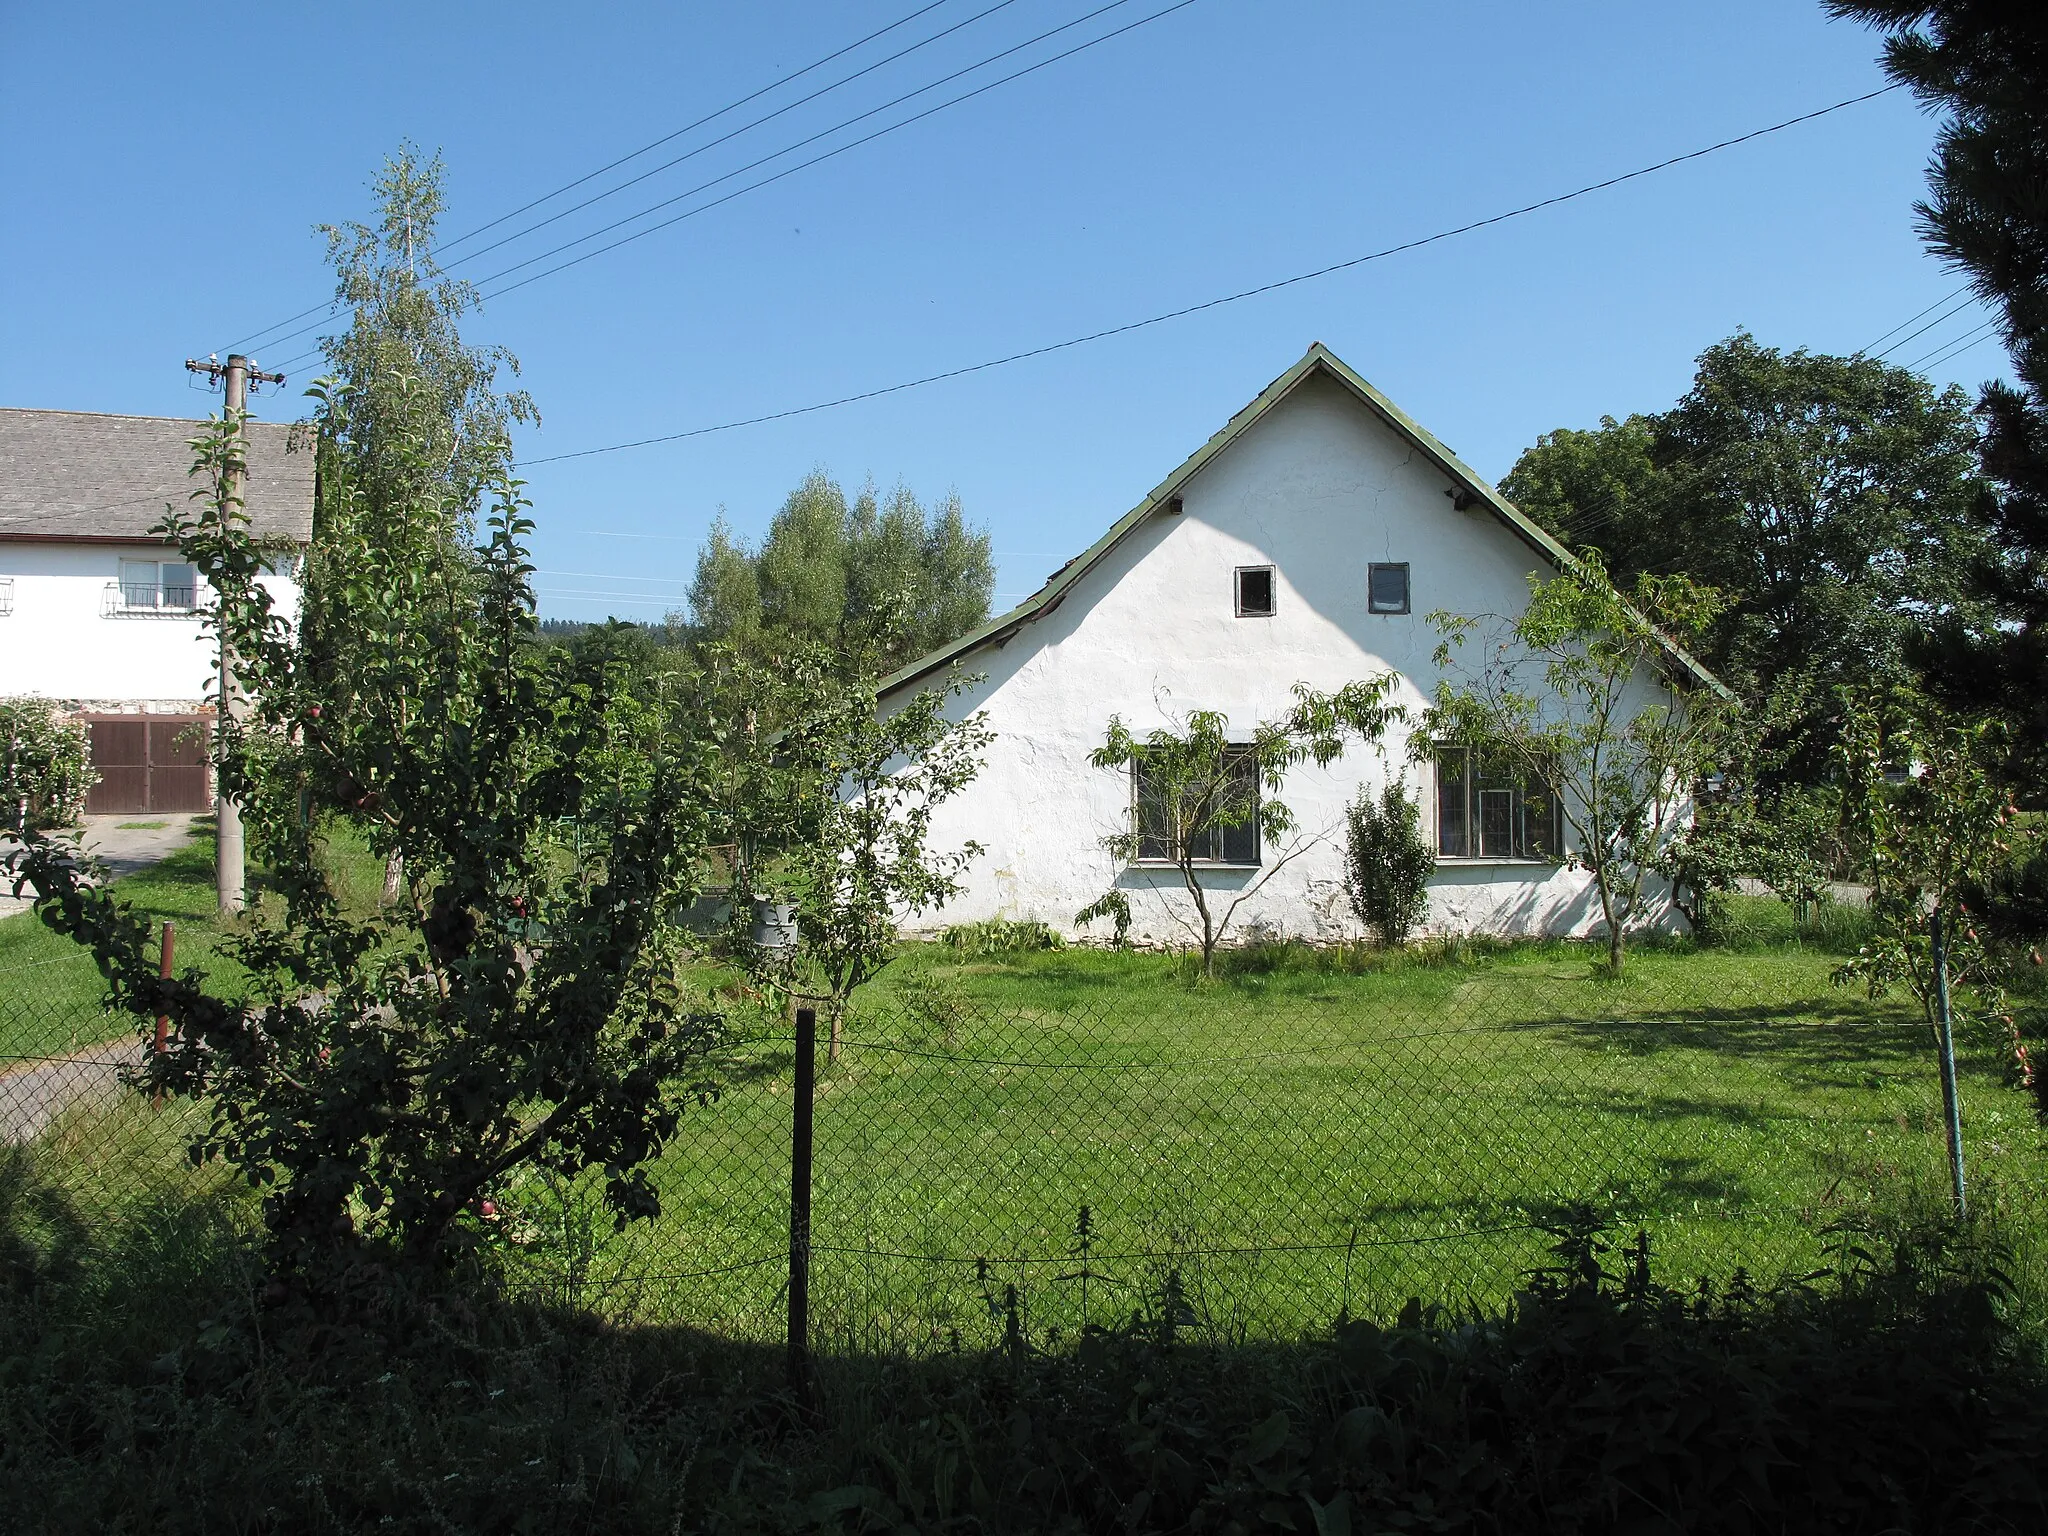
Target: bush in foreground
point(140, 1388)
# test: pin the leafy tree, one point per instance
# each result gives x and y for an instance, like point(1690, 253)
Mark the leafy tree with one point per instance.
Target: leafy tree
point(413, 431)
point(379, 1077)
point(1561, 692)
point(844, 831)
point(1921, 790)
point(1704, 861)
point(1387, 862)
point(1984, 64)
point(877, 582)
point(45, 766)
point(1196, 783)
point(1825, 497)
point(1600, 487)
point(402, 368)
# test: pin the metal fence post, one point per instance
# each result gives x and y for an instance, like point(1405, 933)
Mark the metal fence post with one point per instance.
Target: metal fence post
point(1945, 1029)
point(163, 1020)
point(800, 1205)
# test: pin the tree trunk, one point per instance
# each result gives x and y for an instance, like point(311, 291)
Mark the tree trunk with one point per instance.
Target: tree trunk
point(1613, 927)
point(836, 1013)
point(1194, 886)
point(394, 877)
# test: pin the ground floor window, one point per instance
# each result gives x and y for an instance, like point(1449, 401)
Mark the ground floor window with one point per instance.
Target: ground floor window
point(1489, 808)
point(1210, 841)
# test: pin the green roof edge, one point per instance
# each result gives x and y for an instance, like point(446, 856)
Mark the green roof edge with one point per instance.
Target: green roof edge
point(1318, 357)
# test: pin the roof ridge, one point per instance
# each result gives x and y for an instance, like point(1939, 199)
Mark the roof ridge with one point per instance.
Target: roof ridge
point(195, 421)
point(1317, 357)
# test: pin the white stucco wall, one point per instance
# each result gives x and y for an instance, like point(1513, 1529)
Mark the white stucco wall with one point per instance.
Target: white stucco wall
point(59, 642)
point(1319, 487)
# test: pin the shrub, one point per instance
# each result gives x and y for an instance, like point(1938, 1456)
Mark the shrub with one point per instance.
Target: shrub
point(1001, 936)
point(937, 1002)
point(2012, 901)
point(45, 768)
point(1114, 905)
point(1387, 863)
point(379, 1079)
point(1889, 1394)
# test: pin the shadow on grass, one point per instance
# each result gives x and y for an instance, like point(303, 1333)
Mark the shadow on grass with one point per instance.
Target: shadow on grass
point(1899, 1400)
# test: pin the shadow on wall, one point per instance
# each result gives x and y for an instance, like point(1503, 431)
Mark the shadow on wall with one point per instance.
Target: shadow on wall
point(1549, 902)
point(1161, 909)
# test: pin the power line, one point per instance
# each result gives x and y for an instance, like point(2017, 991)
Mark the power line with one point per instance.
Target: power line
point(1231, 298)
point(1862, 350)
point(792, 148)
point(829, 154)
point(1957, 346)
point(732, 107)
point(757, 122)
point(615, 164)
point(1939, 319)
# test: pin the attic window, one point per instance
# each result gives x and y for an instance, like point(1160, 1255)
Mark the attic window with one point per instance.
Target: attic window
point(1255, 591)
point(1386, 588)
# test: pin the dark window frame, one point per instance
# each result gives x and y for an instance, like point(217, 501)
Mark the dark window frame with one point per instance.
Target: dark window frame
point(1238, 847)
point(1483, 810)
point(1372, 602)
point(1272, 575)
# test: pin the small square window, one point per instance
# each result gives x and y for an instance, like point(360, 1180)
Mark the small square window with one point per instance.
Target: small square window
point(1255, 591)
point(1386, 588)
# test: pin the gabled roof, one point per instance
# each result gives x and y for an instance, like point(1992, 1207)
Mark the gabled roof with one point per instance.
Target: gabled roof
point(1319, 359)
point(77, 476)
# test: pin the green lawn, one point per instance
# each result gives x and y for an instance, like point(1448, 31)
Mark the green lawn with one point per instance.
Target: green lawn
point(50, 989)
point(1296, 1140)
point(1303, 1135)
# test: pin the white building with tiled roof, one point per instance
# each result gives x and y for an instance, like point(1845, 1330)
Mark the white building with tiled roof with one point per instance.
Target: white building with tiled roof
point(1306, 542)
point(104, 616)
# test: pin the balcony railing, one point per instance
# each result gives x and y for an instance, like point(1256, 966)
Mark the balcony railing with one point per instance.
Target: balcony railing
point(149, 600)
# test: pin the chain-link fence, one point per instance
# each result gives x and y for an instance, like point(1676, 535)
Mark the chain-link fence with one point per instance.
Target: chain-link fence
point(1030, 1145)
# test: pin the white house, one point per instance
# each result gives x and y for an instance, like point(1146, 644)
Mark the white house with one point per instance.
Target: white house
point(1305, 542)
point(102, 615)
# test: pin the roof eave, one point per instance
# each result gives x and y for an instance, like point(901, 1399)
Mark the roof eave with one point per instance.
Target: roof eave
point(1318, 357)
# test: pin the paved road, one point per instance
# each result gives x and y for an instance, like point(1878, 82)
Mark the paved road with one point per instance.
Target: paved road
point(33, 1096)
point(124, 844)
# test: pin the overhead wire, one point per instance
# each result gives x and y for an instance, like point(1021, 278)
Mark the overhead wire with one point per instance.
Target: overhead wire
point(1952, 293)
point(654, 144)
point(769, 117)
point(799, 144)
point(917, 117)
point(733, 106)
point(1940, 319)
point(1956, 346)
point(1239, 296)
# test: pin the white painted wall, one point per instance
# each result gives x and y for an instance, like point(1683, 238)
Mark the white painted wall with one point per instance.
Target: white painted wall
point(59, 643)
point(1319, 488)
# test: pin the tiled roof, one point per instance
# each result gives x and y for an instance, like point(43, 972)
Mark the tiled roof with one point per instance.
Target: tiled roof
point(78, 475)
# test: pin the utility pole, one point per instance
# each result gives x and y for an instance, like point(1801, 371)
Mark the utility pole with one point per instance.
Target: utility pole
point(229, 882)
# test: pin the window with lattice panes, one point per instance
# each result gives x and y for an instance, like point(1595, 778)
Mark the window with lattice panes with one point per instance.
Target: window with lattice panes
point(1489, 808)
point(1233, 839)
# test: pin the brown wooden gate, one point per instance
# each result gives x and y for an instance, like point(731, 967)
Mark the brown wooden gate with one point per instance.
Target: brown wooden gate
point(149, 763)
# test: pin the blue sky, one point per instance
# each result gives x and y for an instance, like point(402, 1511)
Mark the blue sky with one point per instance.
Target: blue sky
point(174, 169)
